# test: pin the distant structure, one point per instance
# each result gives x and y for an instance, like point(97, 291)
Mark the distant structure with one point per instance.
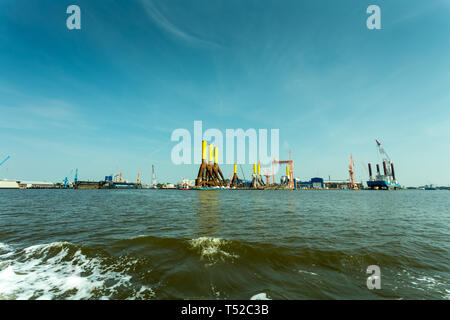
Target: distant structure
point(209, 173)
point(216, 169)
point(266, 172)
point(66, 183)
point(285, 180)
point(341, 184)
point(387, 180)
point(242, 170)
point(235, 181)
point(351, 171)
point(153, 176)
point(120, 175)
point(289, 171)
point(257, 181)
point(8, 184)
point(314, 183)
point(138, 180)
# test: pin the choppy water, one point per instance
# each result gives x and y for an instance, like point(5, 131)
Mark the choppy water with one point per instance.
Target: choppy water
point(165, 244)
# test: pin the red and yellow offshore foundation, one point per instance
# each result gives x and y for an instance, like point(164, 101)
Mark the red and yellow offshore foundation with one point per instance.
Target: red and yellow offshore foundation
point(209, 174)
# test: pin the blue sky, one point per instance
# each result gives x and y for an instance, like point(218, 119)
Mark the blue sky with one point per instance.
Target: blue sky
point(109, 95)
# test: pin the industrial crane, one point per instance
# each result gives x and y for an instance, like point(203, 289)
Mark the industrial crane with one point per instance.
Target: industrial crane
point(383, 153)
point(290, 173)
point(153, 176)
point(387, 179)
point(388, 166)
point(65, 183)
point(352, 173)
point(243, 174)
point(66, 180)
point(4, 160)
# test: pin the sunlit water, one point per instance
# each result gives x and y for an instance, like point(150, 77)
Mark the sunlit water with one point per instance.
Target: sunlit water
point(174, 244)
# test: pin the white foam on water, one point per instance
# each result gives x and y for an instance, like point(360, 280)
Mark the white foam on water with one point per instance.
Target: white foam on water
point(5, 252)
point(429, 280)
point(5, 247)
point(429, 283)
point(35, 276)
point(447, 295)
point(215, 291)
point(307, 272)
point(139, 236)
point(260, 296)
point(212, 249)
point(144, 293)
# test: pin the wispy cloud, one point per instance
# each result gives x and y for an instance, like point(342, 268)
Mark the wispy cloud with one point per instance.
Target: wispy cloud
point(41, 113)
point(164, 23)
point(417, 11)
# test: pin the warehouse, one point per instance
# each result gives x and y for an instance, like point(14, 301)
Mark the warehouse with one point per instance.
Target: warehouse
point(314, 183)
point(9, 184)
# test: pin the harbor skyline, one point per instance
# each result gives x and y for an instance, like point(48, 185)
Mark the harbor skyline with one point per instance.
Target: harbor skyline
point(109, 95)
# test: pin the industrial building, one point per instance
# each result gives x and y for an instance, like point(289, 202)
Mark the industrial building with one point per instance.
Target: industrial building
point(16, 184)
point(9, 184)
point(36, 185)
point(341, 184)
point(314, 183)
point(320, 183)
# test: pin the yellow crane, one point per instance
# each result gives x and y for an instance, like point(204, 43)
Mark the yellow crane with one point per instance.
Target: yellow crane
point(138, 181)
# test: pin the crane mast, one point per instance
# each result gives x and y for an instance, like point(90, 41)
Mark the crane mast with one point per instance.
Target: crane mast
point(388, 167)
point(289, 170)
point(153, 176)
point(138, 181)
point(352, 173)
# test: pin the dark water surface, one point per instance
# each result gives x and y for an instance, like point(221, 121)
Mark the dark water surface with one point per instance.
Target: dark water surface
point(166, 244)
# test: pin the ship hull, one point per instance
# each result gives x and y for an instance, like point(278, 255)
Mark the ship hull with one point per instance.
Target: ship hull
point(382, 185)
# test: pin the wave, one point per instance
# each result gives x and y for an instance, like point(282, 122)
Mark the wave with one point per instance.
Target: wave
point(148, 267)
point(61, 270)
point(209, 249)
point(221, 250)
point(260, 296)
point(212, 249)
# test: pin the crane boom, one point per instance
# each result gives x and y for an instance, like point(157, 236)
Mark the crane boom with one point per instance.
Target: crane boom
point(5, 160)
point(383, 153)
point(388, 167)
point(153, 176)
point(243, 174)
point(120, 175)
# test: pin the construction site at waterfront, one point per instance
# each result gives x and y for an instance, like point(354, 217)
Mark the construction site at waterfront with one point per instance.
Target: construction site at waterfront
point(211, 177)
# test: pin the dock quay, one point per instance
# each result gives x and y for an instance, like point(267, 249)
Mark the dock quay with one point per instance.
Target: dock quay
point(89, 185)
